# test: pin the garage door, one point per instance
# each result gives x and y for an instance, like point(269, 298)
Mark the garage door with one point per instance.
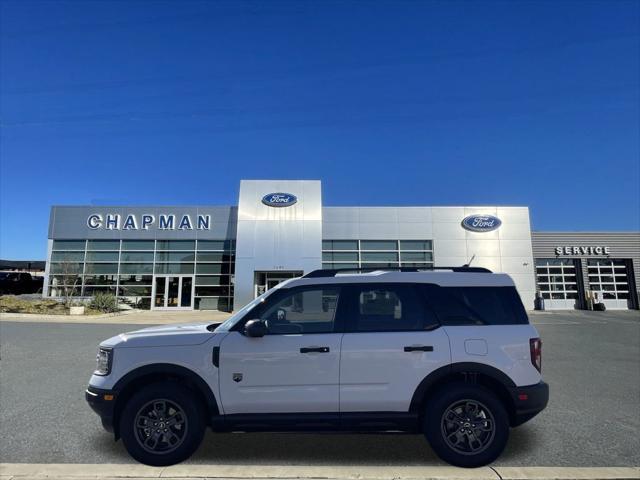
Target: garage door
point(557, 282)
point(609, 278)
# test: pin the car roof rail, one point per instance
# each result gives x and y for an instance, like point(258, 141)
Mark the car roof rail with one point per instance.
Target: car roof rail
point(332, 272)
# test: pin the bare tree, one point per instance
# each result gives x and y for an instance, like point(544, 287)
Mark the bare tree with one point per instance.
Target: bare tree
point(68, 279)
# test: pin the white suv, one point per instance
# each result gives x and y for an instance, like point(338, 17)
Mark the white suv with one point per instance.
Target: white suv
point(449, 353)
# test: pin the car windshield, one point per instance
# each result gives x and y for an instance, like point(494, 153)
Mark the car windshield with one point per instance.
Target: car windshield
point(5, 275)
point(233, 319)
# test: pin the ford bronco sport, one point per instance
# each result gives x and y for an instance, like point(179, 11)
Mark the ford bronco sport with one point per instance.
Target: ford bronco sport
point(448, 353)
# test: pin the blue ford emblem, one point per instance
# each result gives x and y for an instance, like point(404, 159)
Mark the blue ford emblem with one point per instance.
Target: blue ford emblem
point(279, 199)
point(481, 223)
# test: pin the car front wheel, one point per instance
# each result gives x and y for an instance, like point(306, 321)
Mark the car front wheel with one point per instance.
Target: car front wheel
point(466, 425)
point(162, 424)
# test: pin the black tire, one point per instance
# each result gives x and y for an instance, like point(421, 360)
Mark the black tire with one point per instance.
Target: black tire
point(461, 442)
point(163, 440)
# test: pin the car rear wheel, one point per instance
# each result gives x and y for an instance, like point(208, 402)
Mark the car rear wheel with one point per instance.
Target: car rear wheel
point(466, 425)
point(162, 424)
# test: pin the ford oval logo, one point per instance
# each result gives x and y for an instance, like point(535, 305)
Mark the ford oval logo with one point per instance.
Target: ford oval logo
point(481, 223)
point(279, 199)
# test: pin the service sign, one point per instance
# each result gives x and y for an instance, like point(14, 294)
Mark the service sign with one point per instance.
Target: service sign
point(481, 223)
point(279, 199)
point(585, 250)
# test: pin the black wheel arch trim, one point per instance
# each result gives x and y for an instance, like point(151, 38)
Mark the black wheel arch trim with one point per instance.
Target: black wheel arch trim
point(456, 368)
point(170, 370)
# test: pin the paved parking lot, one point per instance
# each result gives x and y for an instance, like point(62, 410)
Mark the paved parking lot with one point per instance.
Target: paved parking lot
point(591, 361)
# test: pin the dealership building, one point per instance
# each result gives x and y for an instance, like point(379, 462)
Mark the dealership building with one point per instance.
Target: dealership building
point(221, 257)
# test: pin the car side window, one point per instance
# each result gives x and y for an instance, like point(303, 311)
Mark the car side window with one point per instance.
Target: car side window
point(389, 308)
point(449, 307)
point(309, 310)
point(457, 306)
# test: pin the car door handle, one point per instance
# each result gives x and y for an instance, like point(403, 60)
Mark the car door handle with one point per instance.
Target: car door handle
point(314, 350)
point(418, 348)
point(215, 357)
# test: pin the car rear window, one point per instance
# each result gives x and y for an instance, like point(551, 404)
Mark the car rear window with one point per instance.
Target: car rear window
point(476, 305)
point(389, 308)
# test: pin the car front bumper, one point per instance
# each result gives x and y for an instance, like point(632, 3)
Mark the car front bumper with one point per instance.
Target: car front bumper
point(528, 402)
point(103, 403)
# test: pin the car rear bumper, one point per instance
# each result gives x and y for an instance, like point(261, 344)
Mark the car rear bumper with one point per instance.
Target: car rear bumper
point(528, 402)
point(103, 403)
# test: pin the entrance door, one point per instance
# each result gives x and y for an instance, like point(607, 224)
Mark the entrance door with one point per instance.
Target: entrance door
point(264, 281)
point(173, 292)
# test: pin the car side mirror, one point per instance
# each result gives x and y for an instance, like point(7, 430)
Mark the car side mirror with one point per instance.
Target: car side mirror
point(255, 328)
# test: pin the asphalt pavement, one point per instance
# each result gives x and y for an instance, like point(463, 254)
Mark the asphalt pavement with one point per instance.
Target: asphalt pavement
point(590, 359)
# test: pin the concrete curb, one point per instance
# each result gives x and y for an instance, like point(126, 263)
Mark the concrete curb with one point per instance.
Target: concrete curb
point(24, 471)
point(129, 317)
point(38, 317)
point(567, 473)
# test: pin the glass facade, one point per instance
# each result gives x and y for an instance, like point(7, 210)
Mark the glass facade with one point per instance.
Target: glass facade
point(346, 254)
point(128, 269)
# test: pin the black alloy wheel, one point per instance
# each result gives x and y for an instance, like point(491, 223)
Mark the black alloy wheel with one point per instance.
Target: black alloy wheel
point(466, 424)
point(162, 424)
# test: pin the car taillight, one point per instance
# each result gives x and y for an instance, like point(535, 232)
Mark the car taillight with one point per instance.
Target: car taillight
point(535, 346)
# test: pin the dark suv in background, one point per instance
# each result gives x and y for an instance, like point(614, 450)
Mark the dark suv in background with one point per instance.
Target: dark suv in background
point(17, 283)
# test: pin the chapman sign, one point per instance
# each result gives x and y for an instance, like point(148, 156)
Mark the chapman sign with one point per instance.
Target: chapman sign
point(145, 222)
point(584, 250)
point(481, 223)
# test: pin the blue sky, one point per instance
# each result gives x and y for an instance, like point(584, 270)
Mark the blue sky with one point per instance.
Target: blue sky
point(388, 103)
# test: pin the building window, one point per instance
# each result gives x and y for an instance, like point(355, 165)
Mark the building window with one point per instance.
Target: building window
point(556, 278)
point(352, 254)
point(176, 245)
point(60, 257)
point(175, 257)
point(63, 245)
point(100, 279)
point(378, 245)
point(103, 245)
point(102, 256)
point(138, 245)
point(136, 257)
point(216, 245)
point(340, 245)
point(214, 269)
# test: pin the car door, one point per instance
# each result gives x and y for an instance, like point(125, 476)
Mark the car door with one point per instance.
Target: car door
point(392, 341)
point(295, 367)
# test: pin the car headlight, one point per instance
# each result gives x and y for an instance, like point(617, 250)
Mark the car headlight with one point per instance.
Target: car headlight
point(104, 359)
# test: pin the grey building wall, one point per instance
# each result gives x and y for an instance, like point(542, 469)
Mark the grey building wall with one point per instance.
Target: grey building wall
point(622, 245)
point(506, 249)
point(276, 238)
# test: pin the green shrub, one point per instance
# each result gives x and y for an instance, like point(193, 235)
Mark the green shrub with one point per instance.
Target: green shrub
point(104, 302)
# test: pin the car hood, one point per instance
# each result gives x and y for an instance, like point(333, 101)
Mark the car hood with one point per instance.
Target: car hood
point(162, 336)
